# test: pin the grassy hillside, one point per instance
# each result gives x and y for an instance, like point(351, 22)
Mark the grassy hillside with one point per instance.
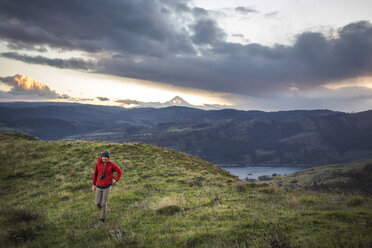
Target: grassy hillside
point(164, 199)
point(347, 177)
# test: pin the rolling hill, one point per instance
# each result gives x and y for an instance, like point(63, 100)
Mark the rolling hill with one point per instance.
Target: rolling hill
point(228, 136)
point(266, 140)
point(165, 198)
point(345, 177)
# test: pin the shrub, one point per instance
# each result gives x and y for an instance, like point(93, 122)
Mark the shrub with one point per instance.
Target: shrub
point(23, 215)
point(240, 186)
point(19, 174)
point(341, 215)
point(309, 201)
point(126, 238)
point(355, 202)
point(197, 181)
point(267, 190)
point(24, 234)
point(199, 239)
point(168, 210)
point(278, 237)
point(36, 155)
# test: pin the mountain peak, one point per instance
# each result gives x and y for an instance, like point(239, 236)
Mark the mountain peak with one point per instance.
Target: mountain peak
point(177, 100)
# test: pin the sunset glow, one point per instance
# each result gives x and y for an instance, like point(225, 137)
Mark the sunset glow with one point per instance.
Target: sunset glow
point(28, 83)
point(365, 82)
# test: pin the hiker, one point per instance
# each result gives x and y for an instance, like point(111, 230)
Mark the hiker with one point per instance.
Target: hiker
point(103, 179)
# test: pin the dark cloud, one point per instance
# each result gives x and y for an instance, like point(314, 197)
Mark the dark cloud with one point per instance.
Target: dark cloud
point(207, 32)
point(103, 99)
point(171, 42)
point(129, 102)
point(245, 10)
point(200, 12)
point(255, 69)
point(73, 63)
point(131, 26)
point(25, 86)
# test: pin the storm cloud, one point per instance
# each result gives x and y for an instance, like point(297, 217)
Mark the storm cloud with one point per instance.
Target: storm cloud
point(134, 27)
point(206, 31)
point(73, 63)
point(171, 42)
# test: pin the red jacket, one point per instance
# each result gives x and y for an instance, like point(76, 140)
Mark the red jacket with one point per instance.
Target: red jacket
point(100, 169)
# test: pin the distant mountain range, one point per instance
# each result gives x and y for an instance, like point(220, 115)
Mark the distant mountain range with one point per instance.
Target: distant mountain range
point(176, 101)
point(227, 136)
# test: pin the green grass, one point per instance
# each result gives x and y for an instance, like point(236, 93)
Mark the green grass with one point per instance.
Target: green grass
point(348, 177)
point(164, 199)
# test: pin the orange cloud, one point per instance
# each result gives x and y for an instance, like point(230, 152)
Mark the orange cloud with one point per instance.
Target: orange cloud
point(28, 83)
point(23, 85)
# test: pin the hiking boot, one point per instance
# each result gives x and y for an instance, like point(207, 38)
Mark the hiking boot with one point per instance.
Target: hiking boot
point(101, 221)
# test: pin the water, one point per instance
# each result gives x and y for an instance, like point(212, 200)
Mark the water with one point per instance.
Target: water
point(253, 172)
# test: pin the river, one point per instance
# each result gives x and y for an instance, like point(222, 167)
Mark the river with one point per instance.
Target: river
point(253, 172)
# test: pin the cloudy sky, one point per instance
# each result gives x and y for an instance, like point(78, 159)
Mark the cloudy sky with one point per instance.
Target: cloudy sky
point(267, 55)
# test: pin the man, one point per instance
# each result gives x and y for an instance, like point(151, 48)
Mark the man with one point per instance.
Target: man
point(103, 179)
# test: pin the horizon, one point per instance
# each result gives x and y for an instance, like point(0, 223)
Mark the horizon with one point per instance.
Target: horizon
point(191, 106)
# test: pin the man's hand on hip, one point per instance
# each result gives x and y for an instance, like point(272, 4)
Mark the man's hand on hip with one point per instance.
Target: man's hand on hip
point(113, 181)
